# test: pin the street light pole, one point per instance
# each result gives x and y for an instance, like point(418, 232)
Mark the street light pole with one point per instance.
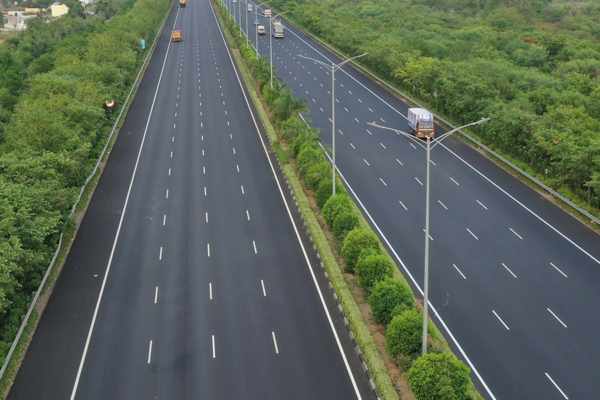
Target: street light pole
point(333, 68)
point(271, 41)
point(428, 148)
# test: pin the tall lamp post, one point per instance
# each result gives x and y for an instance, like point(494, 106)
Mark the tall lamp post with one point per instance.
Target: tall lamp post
point(256, 26)
point(428, 148)
point(271, 41)
point(333, 67)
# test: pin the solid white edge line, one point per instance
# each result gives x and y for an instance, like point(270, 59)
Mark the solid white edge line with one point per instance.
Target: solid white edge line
point(555, 385)
point(433, 309)
point(112, 252)
point(343, 354)
point(275, 341)
point(500, 319)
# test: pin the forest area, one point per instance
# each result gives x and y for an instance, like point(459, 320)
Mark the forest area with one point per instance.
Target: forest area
point(532, 66)
point(54, 81)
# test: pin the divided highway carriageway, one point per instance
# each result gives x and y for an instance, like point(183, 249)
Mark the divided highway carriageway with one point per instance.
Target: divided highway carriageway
point(514, 280)
point(188, 278)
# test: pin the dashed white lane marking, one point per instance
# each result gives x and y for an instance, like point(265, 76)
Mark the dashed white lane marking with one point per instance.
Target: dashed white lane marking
point(207, 217)
point(370, 109)
point(340, 131)
point(205, 190)
point(443, 205)
point(481, 204)
point(412, 145)
point(459, 271)
point(248, 215)
point(369, 132)
point(171, 154)
point(402, 204)
point(234, 150)
point(164, 219)
point(431, 161)
point(508, 269)
point(210, 290)
point(242, 189)
point(208, 249)
point(366, 162)
point(399, 162)
point(519, 236)
point(457, 184)
point(352, 146)
point(172, 139)
point(156, 295)
point(356, 119)
point(500, 319)
point(238, 168)
point(556, 386)
point(213, 346)
point(555, 267)
point(275, 342)
point(204, 170)
point(174, 126)
point(563, 324)
point(382, 120)
point(346, 109)
point(382, 181)
point(359, 100)
point(167, 194)
point(472, 234)
point(383, 145)
point(254, 244)
point(420, 183)
point(150, 352)
point(263, 287)
point(321, 109)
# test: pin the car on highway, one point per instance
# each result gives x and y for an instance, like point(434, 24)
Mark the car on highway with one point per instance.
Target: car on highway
point(261, 30)
point(256, 22)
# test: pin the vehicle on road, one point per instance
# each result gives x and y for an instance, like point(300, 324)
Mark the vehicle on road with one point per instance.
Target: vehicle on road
point(266, 13)
point(420, 122)
point(181, 3)
point(277, 29)
point(250, 9)
point(256, 22)
point(261, 30)
point(176, 35)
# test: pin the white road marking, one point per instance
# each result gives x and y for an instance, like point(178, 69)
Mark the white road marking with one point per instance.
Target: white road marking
point(352, 146)
point(165, 219)
point(172, 139)
point(234, 150)
point(238, 168)
point(508, 269)
point(205, 190)
point(442, 204)
point(204, 170)
point(321, 109)
point(167, 194)
point(340, 131)
point(481, 204)
point(346, 109)
point(472, 234)
point(559, 270)
point(359, 100)
point(207, 217)
point(150, 352)
point(171, 154)
point(175, 115)
point(160, 254)
point(430, 238)
point(556, 386)
point(366, 162)
point(275, 341)
point(431, 161)
point(242, 189)
point(174, 126)
point(497, 316)
point(382, 120)
point(459, 271)
point(421, 183)
point(263, 287)
point(369, 132)
point(402, 204)
point(399, 162)
point(203, 152)
point(208, 248)
point(563, 324)
point(210, 290)
point(454, 181)
point(248, 215)
point(356, 120)
point(156, 295)
point(511, 229)
point(370, 109)
point(385, 184)
point(412, 145)
point(213, 344)
point(254, 244)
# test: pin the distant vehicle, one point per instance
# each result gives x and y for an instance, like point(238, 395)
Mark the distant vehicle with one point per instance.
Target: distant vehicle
point(420, 122)
point(256, 22)
point(176, 35)
point(277, 29)
point(250, 9)
point(181, 3)
point(266, 13)
point(261, 30)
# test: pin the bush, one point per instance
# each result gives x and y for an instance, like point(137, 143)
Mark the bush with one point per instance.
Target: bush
point(439, 376)
point(357, 241)
point(344, 223)
point(334, 206)
point(373, 269)
point(405, 334)
point(310, 154)
point(387, 296)
point(323, 192)
point(316, 173)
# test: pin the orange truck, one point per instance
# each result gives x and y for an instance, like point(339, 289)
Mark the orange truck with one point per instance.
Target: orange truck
point(176, 35)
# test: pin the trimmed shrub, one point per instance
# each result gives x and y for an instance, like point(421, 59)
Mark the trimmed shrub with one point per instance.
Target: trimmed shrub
point(372, 270)
point(323, 192)
point(344, 223)
point(357, 241)
point(388, 296)
point(310, 154)
point(439, 376)
point(334, 206)
point(405, 333)
point(316, 173)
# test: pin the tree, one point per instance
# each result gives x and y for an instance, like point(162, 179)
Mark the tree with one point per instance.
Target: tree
point(336, 205)
point(404, 335)
point(373, 269)
point(357, 241)
point(387, 295)
point(439, 377)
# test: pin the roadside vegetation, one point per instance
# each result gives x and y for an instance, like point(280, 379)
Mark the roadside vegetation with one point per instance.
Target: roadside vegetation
point(531, 66)
point(439, 374)
point(54, 81)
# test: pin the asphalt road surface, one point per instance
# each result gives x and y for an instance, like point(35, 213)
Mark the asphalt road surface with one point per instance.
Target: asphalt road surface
point(188, 278)
point(513, 279)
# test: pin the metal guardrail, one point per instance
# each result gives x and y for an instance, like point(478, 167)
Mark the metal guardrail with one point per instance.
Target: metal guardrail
point(362, 69)
point(83, 188)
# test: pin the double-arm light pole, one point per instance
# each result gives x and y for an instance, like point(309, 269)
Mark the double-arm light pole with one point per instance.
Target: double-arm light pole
point(333, 67)
point(428, 148)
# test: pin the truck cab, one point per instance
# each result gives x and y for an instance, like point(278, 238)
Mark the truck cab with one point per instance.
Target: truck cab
point(266, 13)
point(181, 3)
point(250, 9)
point(420, 122)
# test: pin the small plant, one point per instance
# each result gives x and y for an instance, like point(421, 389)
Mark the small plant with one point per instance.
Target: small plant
point(334, 206)
point(404, 362)
point(439, 377)
point(323, 192)
point(388, 299)
point(356, 241)
point(344, 223)
point(373, 269)
point(405, 333)
point(310, 154)
point(316, 173)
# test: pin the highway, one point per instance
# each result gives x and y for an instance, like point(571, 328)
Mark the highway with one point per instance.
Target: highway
point(514, 279)
point(189, 278)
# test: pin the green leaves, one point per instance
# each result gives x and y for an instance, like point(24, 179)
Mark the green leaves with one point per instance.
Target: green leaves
point(439, 377)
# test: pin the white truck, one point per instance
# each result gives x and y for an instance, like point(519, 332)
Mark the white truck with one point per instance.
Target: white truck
point(277, 29)
point(420, 122)
point(266, 13)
